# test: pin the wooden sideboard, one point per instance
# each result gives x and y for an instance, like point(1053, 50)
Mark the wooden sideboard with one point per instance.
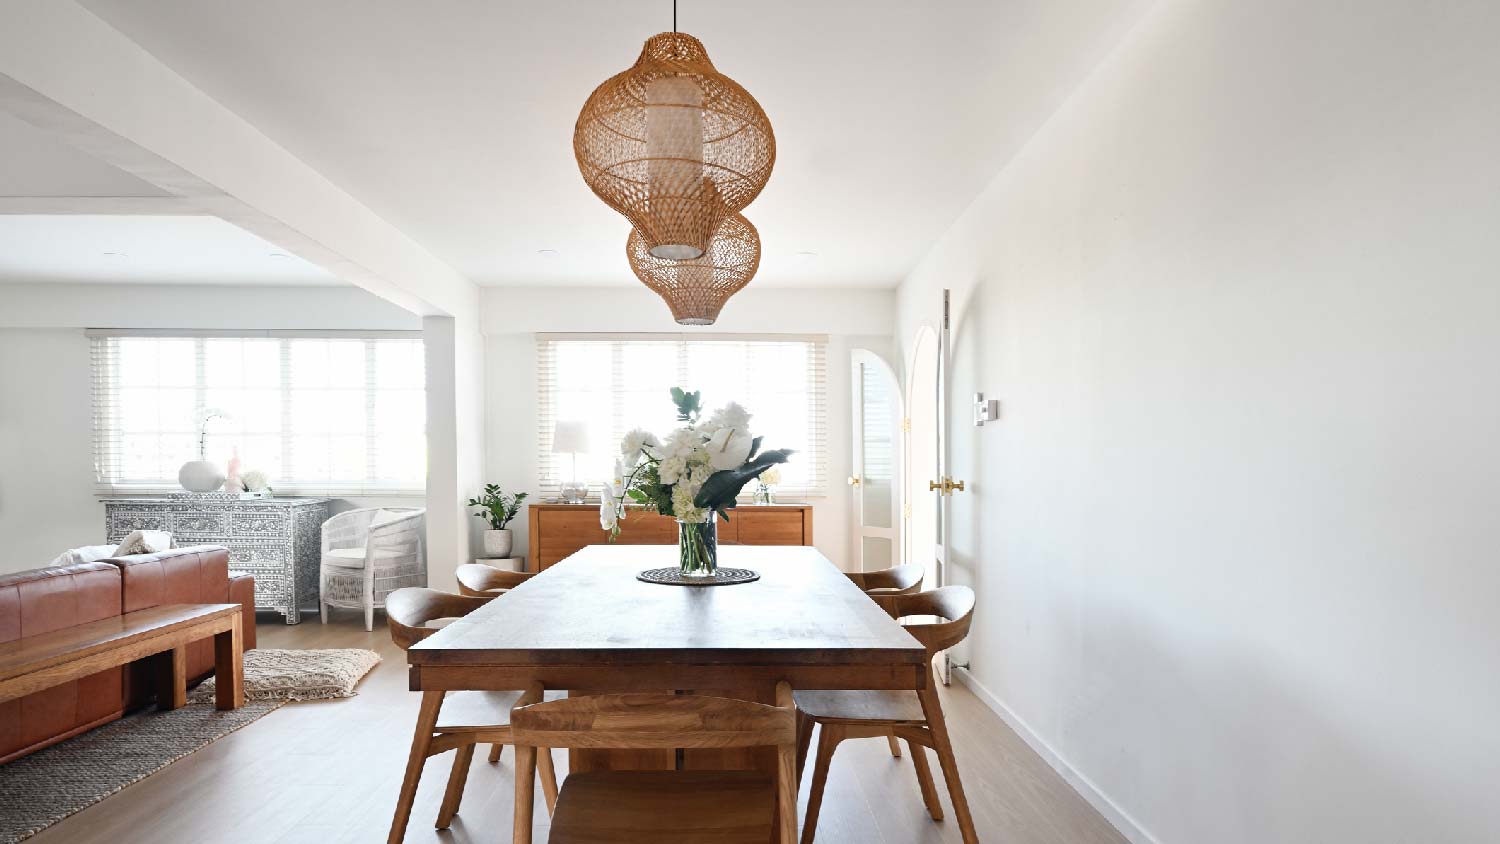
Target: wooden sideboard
point(558, 530)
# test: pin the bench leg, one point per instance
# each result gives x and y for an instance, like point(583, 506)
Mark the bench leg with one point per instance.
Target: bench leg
point(229, 667)
point(171, 678)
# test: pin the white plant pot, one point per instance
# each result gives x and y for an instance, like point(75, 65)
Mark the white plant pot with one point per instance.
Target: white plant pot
point(200, 476)
point(497, 543)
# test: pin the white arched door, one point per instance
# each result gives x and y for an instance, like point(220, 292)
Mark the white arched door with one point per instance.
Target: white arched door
point(876, 480)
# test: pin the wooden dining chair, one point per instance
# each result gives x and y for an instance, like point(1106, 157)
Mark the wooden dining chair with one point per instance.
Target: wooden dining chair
point(458, 721)
point(916, 717)
point(649, 807)
point(904, 579)
point(481, 581)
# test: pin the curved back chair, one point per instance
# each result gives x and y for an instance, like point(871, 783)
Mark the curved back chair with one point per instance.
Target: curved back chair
point(647, 807)
point(457, 722)
point(901, 580)
point(916, 717)
point(368, 554)
point(480, 580)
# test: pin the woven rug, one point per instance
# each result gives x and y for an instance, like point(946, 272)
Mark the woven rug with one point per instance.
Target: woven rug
point(278, 674)
point(39, 790)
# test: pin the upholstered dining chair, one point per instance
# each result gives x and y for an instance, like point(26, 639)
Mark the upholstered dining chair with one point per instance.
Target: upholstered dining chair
point(916, 717)
point(460, 720)
point(481, 581)
point(904, 579)
point(649, 807)
point(368, 554)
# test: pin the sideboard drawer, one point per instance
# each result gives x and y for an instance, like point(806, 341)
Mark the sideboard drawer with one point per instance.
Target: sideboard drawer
point(559, 530)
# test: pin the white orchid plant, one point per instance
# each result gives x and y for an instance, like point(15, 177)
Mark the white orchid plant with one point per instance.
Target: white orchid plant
point(696, 472)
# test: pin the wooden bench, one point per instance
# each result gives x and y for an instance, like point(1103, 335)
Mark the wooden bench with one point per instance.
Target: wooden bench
point(38, 662)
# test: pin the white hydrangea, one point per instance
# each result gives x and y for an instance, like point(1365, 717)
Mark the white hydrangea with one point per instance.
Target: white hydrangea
point(635, 443)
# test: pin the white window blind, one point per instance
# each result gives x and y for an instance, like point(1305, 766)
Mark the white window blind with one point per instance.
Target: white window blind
point(324, 414)
point(613, 383)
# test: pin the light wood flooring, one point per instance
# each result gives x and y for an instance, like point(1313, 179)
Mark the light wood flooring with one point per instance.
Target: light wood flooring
point(328, 773)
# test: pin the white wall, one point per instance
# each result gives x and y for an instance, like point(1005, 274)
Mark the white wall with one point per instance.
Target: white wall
point(513, 316)
point(47, 501)
point(1234, 537)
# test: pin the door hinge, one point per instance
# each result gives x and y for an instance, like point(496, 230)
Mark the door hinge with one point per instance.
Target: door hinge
point(906, 511)
point(906, 424)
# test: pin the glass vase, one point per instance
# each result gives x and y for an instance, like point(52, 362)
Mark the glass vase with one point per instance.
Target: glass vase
point(698, 546)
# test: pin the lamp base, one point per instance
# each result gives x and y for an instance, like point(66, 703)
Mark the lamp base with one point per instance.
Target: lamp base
point(573, 492)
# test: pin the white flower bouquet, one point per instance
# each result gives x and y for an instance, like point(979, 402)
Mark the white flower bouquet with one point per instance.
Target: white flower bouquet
point(695, 474)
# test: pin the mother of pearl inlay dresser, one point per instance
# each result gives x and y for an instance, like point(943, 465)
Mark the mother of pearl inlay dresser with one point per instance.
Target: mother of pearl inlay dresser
point(276, 539)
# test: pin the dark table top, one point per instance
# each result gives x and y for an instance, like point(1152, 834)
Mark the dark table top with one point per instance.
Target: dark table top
point(591, 609)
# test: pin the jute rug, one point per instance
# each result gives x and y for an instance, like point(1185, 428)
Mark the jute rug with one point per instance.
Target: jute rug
point(39, 790)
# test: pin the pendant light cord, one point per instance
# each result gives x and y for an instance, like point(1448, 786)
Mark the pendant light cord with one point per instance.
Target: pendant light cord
point(674, 15)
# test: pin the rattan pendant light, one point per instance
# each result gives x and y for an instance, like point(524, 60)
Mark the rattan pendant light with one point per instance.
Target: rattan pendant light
point(697, 289)
point(674, 145)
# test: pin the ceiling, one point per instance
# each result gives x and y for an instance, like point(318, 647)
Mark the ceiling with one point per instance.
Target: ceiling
point(453, 121)
point(156, 249)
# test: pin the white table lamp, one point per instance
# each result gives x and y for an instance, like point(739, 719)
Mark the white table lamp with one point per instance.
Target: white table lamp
point(571, 436)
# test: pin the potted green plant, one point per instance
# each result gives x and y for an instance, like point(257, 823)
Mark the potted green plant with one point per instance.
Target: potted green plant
point(497, 508)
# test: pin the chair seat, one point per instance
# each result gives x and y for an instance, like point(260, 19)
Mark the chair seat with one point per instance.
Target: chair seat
point(352, 558)
point(665, 807)
point(475, 710)
point(896, 707)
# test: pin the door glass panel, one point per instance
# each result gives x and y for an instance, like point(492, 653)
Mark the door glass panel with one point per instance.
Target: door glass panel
point(879, 552)
point(878, 480)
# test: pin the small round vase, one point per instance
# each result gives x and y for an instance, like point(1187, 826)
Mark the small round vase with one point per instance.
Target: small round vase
point(200, 476)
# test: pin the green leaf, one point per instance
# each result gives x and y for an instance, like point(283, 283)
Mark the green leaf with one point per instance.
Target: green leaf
point(720, 489)
point(754, 448)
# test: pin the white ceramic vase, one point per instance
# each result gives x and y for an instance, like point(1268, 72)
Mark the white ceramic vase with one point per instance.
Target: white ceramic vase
point(497, 543)
point(200, 476)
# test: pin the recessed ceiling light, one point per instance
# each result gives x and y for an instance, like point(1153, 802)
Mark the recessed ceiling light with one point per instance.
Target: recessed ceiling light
point(114, 254)
point(278, 255)
point(805, 255)
point(550, 253)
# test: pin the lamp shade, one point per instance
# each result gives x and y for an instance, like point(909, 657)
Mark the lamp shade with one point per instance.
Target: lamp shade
point(674, 145)
point(570, 436)
point(696, 290)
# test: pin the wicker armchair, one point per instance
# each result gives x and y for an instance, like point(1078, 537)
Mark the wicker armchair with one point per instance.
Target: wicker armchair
point(368, 554)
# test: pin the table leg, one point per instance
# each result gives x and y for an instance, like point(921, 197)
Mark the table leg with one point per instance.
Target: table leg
point(427, 716)
point(171, 678)
point(932, 708)
point(229, 666)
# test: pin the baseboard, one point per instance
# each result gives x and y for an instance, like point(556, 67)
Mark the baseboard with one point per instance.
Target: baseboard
point(1117, 817)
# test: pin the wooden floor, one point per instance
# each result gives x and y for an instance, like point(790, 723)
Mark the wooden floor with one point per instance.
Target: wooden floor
point(328, 772)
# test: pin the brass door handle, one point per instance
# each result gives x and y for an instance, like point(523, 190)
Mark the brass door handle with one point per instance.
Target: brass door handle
point(947, 486)
point(854, 480)
point(934, 486)
point(955, 486)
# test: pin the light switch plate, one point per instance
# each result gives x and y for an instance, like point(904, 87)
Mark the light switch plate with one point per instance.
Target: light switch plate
point(985, 410)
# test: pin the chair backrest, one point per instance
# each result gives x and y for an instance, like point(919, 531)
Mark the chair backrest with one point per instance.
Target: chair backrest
point(901, 580)
point(649, 721)
point(954, 604)
point(407, 612)
point(646, 720)
point(480, 580)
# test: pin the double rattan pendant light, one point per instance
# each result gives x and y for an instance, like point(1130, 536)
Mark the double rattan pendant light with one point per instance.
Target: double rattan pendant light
point(679, 149)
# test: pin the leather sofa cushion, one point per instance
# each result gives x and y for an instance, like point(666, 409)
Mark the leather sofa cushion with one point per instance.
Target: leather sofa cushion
point(196, 575)
point(41, 601)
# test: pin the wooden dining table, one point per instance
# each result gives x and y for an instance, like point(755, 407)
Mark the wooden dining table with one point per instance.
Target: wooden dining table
point(587, 625)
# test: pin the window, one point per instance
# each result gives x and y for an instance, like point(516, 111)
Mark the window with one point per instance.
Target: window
point(615, 383)
point(324, 413)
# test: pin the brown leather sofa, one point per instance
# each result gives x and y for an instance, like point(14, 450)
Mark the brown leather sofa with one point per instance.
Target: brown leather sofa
point(43, 600)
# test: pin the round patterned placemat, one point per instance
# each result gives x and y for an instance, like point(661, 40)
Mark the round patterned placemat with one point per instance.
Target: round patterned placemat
point(674, 577)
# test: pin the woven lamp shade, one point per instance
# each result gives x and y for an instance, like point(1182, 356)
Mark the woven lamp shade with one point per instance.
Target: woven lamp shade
point(674, 145)
point(696, 290)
